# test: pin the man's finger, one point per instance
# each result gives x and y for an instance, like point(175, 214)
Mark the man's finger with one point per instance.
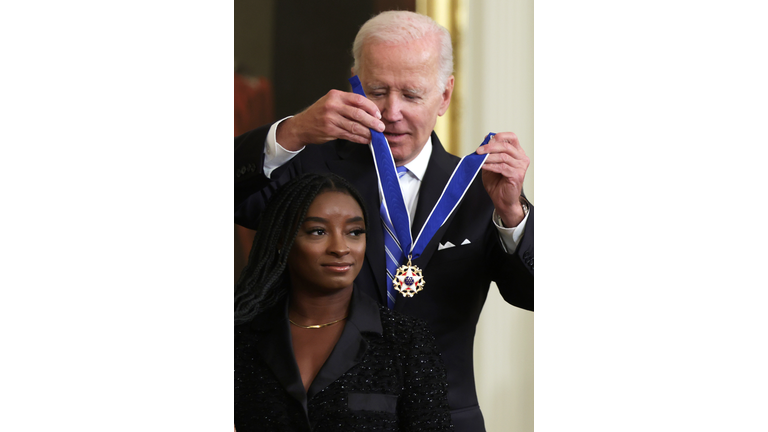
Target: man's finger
point(502, 142)
point(499, 148)
point(512, 158)
point(358, 101)
point(500, 168)
point(363, 137)
point(345, 125)
point(512, 176)
point(362, 117)
point(506, 136)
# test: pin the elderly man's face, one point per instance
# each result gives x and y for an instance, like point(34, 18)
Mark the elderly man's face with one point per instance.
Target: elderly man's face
point(402, 81)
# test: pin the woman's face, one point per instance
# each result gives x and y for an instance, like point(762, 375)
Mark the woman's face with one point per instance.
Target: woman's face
point(330, 247)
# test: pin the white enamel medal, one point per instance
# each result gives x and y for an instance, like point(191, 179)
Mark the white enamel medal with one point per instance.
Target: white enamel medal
point(408, 280)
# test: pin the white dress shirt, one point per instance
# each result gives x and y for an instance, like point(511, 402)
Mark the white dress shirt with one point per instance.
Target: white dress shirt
point(276, 156)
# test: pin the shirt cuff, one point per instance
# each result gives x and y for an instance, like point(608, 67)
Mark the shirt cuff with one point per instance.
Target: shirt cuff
point(275, 155)
point(510, 237)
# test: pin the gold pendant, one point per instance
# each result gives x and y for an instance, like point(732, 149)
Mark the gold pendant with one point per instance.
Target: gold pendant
point(408, 280)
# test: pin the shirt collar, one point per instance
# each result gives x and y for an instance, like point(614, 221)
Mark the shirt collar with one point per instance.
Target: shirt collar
point(418, 166)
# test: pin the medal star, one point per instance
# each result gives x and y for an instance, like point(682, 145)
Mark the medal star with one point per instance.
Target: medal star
point(408, 280)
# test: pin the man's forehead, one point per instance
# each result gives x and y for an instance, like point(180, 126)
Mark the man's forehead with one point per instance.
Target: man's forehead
point(421, 52)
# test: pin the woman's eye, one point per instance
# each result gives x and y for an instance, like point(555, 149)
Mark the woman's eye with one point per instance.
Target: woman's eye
point(357, 232)
point(316, 231)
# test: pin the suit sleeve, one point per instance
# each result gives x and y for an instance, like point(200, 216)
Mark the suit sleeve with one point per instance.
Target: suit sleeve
point(513, 273)
point(252, 188)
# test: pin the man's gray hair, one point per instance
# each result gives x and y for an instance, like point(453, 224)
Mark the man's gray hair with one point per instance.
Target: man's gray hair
point(399, 27)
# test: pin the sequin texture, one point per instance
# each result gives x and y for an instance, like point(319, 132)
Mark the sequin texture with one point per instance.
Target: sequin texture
point(399, 384)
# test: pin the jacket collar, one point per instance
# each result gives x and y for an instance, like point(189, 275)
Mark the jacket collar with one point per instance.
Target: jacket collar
point(273, 341)
point(275, 346)
point(363, 318)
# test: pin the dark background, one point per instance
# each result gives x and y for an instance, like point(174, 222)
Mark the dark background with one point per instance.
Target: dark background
point(288, 54)
point(303, 47)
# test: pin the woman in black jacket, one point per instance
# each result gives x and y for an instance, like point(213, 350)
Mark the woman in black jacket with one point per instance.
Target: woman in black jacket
point(311, 352)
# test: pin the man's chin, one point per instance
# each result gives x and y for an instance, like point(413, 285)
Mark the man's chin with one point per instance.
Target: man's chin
point(400, 157)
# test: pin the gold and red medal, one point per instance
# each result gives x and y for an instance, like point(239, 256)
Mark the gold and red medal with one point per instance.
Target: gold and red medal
point(408, 280)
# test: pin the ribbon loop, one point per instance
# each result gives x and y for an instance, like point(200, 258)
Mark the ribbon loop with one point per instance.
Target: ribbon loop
point(392, 195)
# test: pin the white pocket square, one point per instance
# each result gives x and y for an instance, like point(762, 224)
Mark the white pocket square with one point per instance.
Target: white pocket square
point(466, 241)
point(447, 245)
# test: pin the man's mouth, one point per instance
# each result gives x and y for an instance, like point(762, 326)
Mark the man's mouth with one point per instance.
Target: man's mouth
point(393, 136)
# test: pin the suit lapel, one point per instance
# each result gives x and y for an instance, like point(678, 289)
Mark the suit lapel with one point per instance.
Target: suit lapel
point(274, 345)
point(439, 170)
point(349, 350)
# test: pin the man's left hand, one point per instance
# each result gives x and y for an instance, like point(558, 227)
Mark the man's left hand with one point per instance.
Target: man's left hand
point(503, 175)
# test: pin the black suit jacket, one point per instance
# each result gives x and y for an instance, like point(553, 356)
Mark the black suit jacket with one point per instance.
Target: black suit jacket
point(384, 374)
point(457, 278)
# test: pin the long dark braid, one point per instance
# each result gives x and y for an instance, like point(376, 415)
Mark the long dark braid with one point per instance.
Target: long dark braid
point(262, 282)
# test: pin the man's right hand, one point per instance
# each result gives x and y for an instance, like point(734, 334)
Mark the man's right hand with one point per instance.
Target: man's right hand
point(336, 115)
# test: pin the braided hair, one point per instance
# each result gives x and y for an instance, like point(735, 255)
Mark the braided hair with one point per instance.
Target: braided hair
point(262, 282)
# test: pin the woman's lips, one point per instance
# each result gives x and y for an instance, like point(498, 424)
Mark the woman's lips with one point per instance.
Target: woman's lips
point(338, 267)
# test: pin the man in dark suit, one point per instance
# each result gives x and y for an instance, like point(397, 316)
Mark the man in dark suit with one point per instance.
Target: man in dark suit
point(406, 75)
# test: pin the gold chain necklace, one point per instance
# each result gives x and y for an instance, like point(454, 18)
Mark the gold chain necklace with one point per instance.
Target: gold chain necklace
point(317, 326)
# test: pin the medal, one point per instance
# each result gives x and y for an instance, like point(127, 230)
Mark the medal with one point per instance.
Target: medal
point(408, 280)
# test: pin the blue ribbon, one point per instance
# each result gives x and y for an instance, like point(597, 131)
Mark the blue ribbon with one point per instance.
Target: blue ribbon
point(392, 195)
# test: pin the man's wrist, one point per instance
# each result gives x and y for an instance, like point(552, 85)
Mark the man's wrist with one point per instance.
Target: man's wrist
point(516, 218)
point(275, 155)
point(286, 136)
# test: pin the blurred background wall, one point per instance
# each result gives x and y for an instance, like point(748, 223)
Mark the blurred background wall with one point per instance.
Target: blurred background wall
point(290, 53)
point(497, 96)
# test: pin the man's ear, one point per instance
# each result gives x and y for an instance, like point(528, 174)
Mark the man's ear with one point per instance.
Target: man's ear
point(446, 96)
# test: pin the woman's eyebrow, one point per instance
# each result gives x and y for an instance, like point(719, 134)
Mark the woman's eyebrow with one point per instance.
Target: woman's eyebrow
point(314, 219)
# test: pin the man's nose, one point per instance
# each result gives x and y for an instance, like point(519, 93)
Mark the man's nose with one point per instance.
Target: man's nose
point(392, 107)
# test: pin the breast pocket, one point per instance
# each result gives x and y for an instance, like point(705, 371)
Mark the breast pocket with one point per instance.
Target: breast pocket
point(458, 252)
point(373, 402)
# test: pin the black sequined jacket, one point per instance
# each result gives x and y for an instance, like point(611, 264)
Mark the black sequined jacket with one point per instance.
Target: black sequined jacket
point(384, 374)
